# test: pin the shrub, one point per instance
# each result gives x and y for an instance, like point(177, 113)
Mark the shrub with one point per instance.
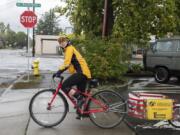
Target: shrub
point(105, 58)
point(135, 68)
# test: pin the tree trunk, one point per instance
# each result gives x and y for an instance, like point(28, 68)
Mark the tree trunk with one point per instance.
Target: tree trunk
point(110, 18)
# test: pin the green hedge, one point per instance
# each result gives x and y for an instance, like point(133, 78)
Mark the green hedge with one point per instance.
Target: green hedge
point(106, 59)
point(135, 68)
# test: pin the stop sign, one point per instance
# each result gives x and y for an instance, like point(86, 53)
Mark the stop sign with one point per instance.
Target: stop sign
point(28, 19)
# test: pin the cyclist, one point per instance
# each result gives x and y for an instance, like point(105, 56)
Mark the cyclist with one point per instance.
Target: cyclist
point(77, 66)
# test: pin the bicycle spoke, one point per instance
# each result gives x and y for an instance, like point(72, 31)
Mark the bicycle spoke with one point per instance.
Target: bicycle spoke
point(103, 99)
point(44, 115)
point(118, 104)
point(117, 111)
point(113, 115)
point(117, 107)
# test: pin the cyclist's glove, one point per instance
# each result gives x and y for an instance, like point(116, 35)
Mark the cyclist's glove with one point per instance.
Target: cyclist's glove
point(57, 74)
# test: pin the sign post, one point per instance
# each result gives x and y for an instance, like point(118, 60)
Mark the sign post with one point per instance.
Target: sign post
point(28, 19)
point(28, 53)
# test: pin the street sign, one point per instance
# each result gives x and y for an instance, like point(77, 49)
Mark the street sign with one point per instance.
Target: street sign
point(28, 19)
point(28, 4)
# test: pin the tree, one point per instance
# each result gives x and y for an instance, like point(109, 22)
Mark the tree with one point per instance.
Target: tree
point(131, 20)
point(48, 24)
point(136, 20)
point(85, 15)
point(2, 34)
point(21, 39)
point(10, 38)
point(2, 28)
point(177, 12)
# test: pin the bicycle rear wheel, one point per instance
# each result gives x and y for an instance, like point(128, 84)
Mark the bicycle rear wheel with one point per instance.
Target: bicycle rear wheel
point(115, 112)
point(176, 121)
point(44, 116)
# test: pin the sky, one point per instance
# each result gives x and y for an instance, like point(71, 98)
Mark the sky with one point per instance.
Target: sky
point(10, 13)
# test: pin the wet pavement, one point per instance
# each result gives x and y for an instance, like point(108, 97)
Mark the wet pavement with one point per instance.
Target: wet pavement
point(15, 63)
point(72, 126)
point(14, 112)
point(17, 100)
point(14, 102)
point(15, 119)
point(18, 60)
point(7, 77)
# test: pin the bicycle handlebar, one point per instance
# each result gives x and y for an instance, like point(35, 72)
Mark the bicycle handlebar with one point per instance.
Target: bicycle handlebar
point(61, 78)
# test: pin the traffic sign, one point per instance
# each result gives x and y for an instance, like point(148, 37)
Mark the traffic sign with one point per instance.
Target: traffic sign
point(28, 19)
point(18, 4)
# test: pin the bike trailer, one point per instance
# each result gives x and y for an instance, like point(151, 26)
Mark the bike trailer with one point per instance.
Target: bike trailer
point(137, 104)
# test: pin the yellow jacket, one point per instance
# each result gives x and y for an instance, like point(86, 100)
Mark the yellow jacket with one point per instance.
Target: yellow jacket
point(74, 62)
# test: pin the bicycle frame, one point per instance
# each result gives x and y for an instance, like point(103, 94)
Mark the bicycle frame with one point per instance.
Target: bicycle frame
point(88, 96)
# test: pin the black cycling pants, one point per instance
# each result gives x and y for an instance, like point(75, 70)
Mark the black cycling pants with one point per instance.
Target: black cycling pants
point(77, 79)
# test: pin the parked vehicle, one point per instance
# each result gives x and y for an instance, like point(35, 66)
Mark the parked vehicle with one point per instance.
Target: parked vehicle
point(163, 58)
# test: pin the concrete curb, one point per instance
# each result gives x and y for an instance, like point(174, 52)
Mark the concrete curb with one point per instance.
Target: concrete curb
point(10, 87)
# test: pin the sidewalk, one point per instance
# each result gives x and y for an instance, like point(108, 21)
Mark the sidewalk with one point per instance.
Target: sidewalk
point(15, 119)
point(14, 114)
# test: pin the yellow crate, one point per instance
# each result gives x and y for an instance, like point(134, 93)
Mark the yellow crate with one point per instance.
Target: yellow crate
point(159, 109)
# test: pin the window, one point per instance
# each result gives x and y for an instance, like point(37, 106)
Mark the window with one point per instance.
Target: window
point(167, 46)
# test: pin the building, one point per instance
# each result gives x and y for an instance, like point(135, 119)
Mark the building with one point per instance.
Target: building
point(68, 30)
point(47, 45)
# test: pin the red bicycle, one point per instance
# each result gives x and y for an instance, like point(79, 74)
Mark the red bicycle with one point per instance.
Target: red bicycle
point(106, 109)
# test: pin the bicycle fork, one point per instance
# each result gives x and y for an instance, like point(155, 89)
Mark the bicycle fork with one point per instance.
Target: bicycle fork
point(54, 96)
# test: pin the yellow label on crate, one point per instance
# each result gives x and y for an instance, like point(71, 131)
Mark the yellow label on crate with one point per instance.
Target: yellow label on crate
point(159, 109)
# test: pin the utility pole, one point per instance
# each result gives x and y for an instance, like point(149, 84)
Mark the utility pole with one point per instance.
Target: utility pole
point(33, 49)
point(104, 31)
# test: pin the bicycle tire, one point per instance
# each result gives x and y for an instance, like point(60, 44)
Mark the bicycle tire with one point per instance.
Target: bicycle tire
point(117, 116)
point(40, 105)
point(176, 122)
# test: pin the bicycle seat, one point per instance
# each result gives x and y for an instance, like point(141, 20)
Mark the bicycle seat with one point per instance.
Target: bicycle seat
point(93, 83)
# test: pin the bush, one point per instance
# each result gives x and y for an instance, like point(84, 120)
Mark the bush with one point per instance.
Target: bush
point(135, 68)
point(105, 58)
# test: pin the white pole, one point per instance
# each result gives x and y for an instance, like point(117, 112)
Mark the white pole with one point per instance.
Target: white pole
point(28, 51)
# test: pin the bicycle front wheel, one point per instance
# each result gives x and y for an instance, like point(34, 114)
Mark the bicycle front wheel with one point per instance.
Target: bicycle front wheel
point(176, 121)
point(44, 115)
point(113, 115)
